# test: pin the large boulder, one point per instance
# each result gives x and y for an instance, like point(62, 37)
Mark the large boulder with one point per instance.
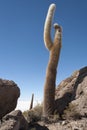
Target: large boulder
point(14, 121)
point(71, 93)
point(9, 93)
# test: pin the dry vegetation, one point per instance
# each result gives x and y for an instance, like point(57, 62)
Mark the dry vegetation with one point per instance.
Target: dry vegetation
point(34, 115)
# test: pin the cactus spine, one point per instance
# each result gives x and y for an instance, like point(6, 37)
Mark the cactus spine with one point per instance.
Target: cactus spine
point(54, 49)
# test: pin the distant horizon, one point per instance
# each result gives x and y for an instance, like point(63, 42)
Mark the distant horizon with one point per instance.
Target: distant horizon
point(24, 105)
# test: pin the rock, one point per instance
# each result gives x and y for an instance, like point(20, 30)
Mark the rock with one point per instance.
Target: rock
point(10, 125)
point(37, 126)
point(14, 121)
point(9, 93)
point(71, 93)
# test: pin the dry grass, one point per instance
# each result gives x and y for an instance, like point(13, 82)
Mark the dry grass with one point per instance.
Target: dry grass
point(35, 114)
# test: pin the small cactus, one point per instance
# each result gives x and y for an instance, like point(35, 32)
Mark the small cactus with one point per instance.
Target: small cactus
point(31, 103)
point(54, 48)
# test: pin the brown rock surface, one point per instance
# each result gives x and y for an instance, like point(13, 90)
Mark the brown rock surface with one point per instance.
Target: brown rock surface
point(72, 92)
point(68, 125)
point(9, 93)
point(14, 121)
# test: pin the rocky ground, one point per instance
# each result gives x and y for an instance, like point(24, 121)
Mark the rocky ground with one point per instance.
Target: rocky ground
point(67, 125)
point(16, 121)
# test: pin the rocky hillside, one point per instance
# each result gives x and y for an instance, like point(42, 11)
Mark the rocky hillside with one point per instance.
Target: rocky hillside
point(71, 93)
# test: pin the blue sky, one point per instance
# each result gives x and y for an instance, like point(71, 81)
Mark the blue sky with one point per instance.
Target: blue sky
point(23, 56)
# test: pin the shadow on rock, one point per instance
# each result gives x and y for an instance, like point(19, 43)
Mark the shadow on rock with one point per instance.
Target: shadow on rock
point(36, 126)
point(71, 89)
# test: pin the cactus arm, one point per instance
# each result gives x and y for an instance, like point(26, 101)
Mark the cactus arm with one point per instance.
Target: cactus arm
point(58, 34)
point(47, 27)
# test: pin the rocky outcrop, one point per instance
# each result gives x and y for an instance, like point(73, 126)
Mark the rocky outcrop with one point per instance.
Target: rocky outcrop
point(71, 93)
point(9, 93)
point(14, 121)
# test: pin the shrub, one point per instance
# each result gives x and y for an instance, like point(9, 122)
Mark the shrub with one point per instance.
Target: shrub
point(34, 115)
point(25, 114)
point(71, 112)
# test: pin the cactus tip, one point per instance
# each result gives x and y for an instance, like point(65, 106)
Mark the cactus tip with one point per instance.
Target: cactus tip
point(56, 26)
point(53, 5)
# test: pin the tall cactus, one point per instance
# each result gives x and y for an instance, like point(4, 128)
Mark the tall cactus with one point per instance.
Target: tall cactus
point(54, 48)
